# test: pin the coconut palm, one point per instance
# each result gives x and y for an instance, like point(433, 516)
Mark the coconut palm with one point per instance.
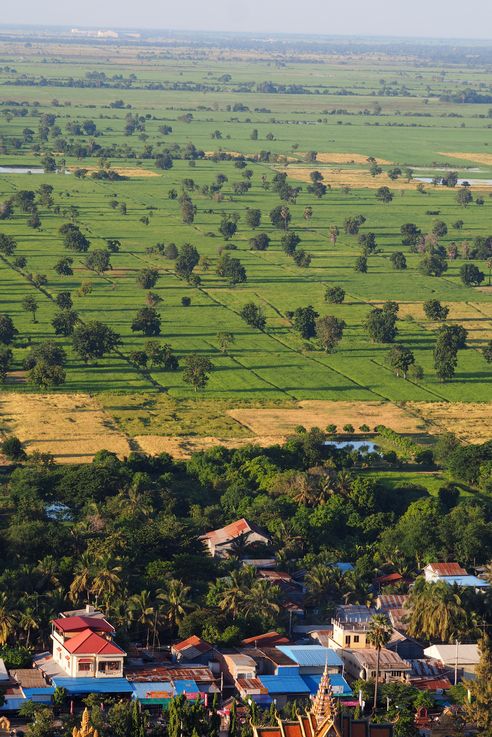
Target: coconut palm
point(82, 581)
point(323, 583)
point(436, 611)
point(378, 635)
point(7, 619)
point(107, 579)
point(142, 610)
point(262, 600)
point(28, 623)
point(176, 599)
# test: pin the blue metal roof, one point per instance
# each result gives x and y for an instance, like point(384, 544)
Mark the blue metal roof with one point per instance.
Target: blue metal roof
point(311, 655)
point(141, 691)
point(464, 581)
point(338, 683)
point(48, 691)
point(285, 684)
point(77, 686)
point(186, 686)
point(343, 567)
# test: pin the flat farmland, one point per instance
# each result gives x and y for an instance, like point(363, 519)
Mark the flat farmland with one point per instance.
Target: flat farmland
point(246, 106)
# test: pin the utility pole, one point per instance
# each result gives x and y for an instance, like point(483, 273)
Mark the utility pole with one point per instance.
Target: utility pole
point(456, 664)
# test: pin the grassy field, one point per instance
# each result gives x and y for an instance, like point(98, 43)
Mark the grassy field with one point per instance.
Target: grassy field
point(275, 365)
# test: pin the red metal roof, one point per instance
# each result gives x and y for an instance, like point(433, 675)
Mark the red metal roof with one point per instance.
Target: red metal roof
point(432, 684)
point(76, 624)
point(195, 642)
point(389, 577)
point(448, 569)
point(230, 532)
point(251, 684)
point(89, 643)
point(268, 639)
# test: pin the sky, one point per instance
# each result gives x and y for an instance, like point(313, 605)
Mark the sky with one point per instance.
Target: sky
point(426, 18)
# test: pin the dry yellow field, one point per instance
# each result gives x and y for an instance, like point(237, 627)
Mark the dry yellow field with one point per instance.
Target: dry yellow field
point(123, 171)
point(313, 413)
point(471, 423)
point(183, 447)
point(72, 427)
point(478, 158)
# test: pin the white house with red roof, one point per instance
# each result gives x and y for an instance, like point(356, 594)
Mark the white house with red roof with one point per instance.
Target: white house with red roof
point(436, 571)
point(83, 647)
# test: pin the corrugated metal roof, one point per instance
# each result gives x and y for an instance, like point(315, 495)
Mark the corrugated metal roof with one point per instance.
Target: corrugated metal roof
point(447, 569)
point(311, 655)
point(186, 686)
point(93, 685)
point(473, 581)
point(338, 683)
point(285, 684)
point(145, 690)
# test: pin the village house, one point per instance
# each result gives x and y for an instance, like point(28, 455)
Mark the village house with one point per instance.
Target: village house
point(460, 659)
point(234, 538)
point(192, 650)
point(453, 574)
point(83, 647)
point(362, 664)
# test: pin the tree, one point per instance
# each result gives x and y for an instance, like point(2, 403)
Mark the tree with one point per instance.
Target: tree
point(398, 260)
point(368, 243)
point(464, 197)
point(435, 611)
point(162, 355)
point(6, 357)
point(353, 224)
point(335, 295)
point(187, 211)
point(439, 229)
point(384, 194)
point(48, 352)
point(378, 635)
point(64, 300)
point(232, 269)
point(253, 217)
point(147, 321)
point(471, 276)
point(147, 278)
point(196, 371)
point(280, 217)
point(73, 238)
point(93, 340)
point(410, 234)
point(63, 266)
point(13, 449)
point(225, 340)
point(329, 331)
point(487, 352)
point(259, 242)
point(25, 200)
point(434, 310)
point(29, 304)
point(479, 708)
point(64, 322)
point(289, 242)
point(304, 321)
point(333, 234)
point(45, 375)
point(445, 357)
point(170, 251)
point(361, 264)
point(253, 315)
point(7, 244)
point(381, 324)
point(188, 258)
point(454, 335)
point(7, 329)
point(400, 359)
point(433, 265)
point(99, 260)
point(301, 258)
point(228, 226)
point(176, 599)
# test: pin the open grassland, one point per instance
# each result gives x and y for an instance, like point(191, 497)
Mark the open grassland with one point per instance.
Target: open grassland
point(262, 367)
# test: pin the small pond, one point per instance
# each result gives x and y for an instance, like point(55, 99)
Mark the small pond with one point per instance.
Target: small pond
point(363, 446)
point(472, 182)
point(21, 170)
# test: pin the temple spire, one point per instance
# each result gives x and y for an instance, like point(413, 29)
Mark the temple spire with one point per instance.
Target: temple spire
point(324, 704)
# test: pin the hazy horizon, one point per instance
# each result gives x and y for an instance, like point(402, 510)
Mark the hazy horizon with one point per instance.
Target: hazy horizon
point(419, 19)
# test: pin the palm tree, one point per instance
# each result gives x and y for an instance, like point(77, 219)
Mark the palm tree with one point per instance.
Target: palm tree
point(323, 583)
point(436, 611)
point(378, 635)
point(262, 600)
point(106, 579)
point(142, 609)
point(176, 599)
point(7, 621)
point(82, 580)
point(27, 623)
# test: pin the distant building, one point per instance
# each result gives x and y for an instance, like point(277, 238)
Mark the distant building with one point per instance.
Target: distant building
point(462, 657)
point(83, 647)
point(362, 664)
point(194, 649)
point(223, 542)
point(453, 574)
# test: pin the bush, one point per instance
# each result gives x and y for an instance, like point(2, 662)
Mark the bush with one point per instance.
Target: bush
point(186, 301)
point(331, 429)
point(12, 448)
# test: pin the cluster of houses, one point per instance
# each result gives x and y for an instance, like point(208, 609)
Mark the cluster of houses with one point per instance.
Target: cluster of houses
point(270, 667)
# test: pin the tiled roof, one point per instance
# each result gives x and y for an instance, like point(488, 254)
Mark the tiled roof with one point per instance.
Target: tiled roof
point(90, 643)
point(76, 624)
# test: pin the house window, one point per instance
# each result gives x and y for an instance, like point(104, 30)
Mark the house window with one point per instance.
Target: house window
point(347, 639)
point(85, 667)
point(356, 638)
point(109, 666)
